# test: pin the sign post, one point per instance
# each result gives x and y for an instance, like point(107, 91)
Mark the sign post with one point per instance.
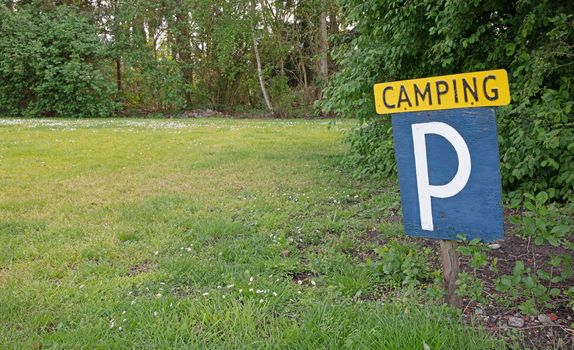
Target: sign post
point(447, 157)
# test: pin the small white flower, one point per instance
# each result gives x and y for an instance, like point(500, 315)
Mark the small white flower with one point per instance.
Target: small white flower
point(230, 286)
point(299, 282)
point(251, 279)
point(156, 252)
point(313, 283)
point(299, 292)
point(158, 295)
point(241, 291)
point(124, 312)
point(205, 294)
point(133, 302)
point(82, 286)
point(251, 289)
point(260, 301)
point(155, 313)
point(274, 294)
point(120, 329)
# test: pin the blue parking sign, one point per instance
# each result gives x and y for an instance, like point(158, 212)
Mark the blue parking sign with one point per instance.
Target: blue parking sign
point(449, 173)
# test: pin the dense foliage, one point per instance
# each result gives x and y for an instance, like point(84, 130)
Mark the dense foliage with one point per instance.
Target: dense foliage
point(533, 40)
point(49, 65)
point(166, 56)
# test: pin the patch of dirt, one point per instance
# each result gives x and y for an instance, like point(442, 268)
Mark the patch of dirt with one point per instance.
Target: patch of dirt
point(142, 267)
point(360, 254)
point(495, 317)
point(51, 327)
point(181, 291)
point(556, 334)
point(198, 113)
point(302, 278)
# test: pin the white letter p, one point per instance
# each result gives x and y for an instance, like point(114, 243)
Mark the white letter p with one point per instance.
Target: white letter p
point(425, 190)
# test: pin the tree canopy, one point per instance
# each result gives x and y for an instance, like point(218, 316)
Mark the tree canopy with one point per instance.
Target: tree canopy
point(61, 57)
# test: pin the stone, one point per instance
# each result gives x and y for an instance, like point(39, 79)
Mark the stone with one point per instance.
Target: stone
point(494, 246)
point(516, 322)
point(544, 319)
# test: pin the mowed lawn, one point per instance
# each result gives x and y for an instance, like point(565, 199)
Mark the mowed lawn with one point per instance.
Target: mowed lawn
point(165, 234)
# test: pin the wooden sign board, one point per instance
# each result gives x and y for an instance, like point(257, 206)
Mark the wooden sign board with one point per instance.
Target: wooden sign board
point(447, 158)
point(477, 89)
point(448, 173)
point(447, 155)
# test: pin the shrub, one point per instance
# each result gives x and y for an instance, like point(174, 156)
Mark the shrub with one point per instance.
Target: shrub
point(533, 40)
point(404, 264)
point(49, 65)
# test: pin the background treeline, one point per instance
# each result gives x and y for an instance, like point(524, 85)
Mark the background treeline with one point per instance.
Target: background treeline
point(97, 57)
point(288, 57)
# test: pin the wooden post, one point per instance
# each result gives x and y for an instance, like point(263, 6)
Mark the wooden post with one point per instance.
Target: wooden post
point(451, 268)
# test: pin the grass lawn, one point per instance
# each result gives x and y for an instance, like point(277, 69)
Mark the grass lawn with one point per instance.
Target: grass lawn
point(161, 234)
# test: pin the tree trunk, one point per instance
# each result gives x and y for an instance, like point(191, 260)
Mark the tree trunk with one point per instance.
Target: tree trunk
point(258, 60)
point(260, 75)
point(323, 47)
point(119, 74)
point(333, 24)
point(184, 53)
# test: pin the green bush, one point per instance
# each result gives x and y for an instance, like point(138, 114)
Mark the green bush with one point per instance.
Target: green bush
point(154, 85)
point(404, 264)
point(49, 65)
point(533, 40)
point(540, 284)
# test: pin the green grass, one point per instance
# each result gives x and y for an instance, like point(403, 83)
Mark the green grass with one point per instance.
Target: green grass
point(156, 234)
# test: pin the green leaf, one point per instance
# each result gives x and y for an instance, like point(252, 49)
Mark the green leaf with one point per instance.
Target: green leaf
point(541, 197)
point(518, 268)
point(561, 229)
point(554, 292)
point(530, 206)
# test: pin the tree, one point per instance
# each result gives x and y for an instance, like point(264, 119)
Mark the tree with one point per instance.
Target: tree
point(49, 64)
point(258, 60)
point(174, 54)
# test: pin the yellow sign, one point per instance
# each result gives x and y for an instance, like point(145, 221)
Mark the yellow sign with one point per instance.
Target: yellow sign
point(476, 89)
